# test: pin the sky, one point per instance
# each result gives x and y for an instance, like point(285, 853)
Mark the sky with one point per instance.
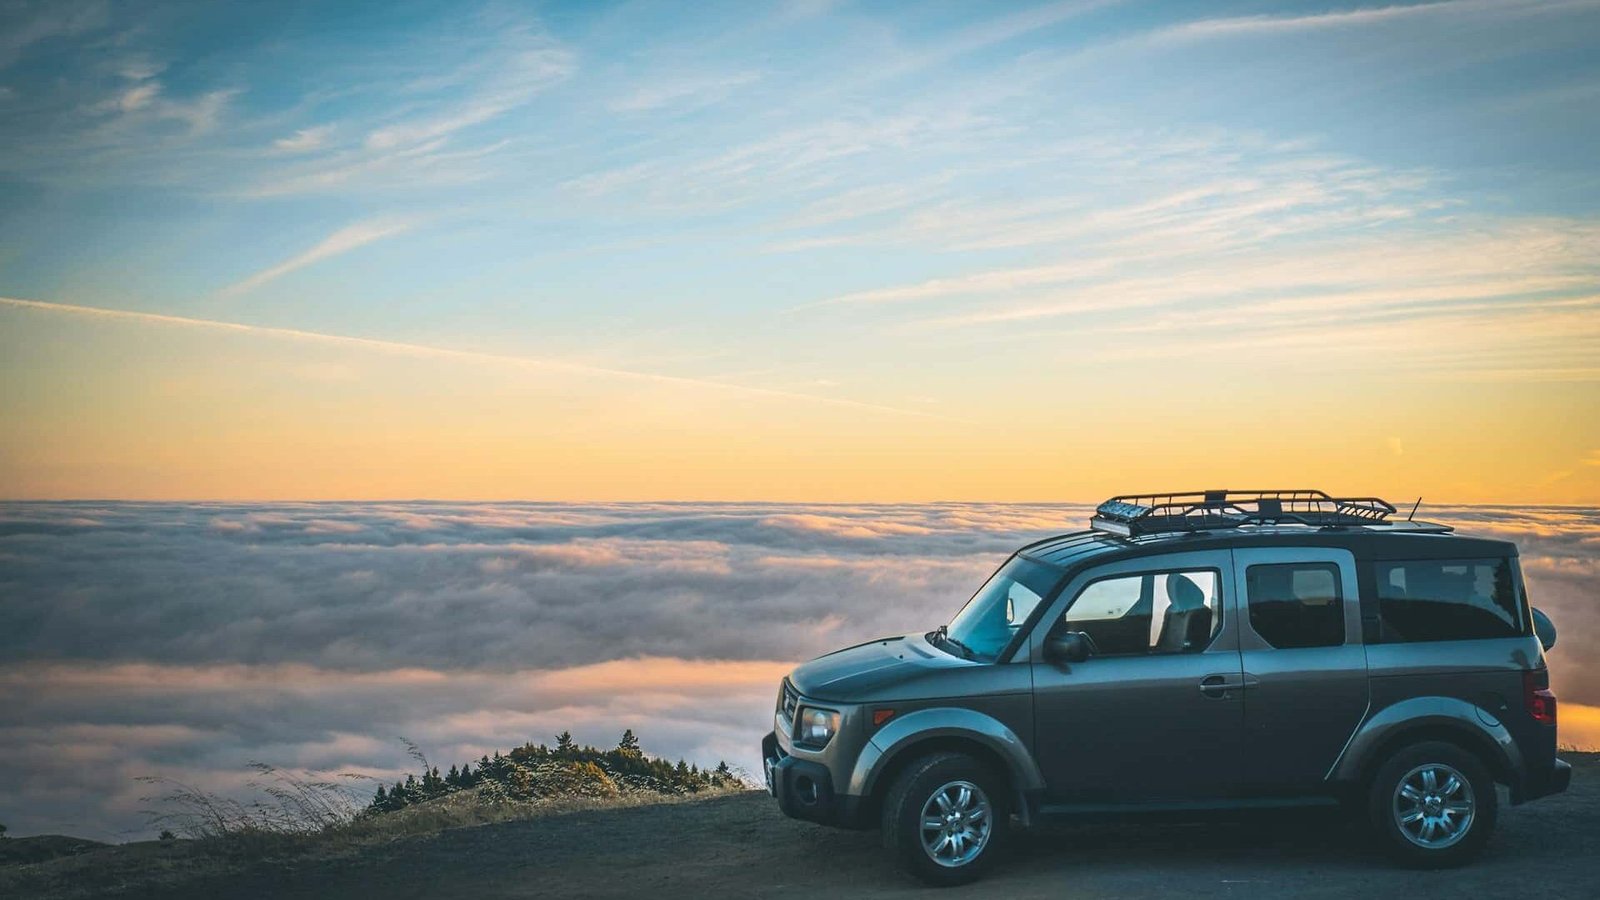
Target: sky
point(186, 640)
point(804, 251)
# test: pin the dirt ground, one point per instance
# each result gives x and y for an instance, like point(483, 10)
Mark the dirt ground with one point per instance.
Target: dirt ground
point(742, 847)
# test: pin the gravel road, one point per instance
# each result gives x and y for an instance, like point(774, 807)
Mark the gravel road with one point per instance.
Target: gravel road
point(742, 847)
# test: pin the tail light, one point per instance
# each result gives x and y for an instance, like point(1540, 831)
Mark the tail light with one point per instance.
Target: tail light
point(1537, 697)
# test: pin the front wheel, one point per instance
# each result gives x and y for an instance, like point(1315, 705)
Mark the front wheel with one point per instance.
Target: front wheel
point(945, 819)
point(1433, 805)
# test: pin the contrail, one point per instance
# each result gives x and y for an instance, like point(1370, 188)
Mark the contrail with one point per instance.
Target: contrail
point(350, 237)
point(423, 350)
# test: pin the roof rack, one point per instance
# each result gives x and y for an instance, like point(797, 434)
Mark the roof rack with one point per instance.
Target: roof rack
point(1132, 515)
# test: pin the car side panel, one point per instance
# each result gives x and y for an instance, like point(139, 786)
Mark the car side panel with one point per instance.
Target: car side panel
point(995, 727)
point(1474, 683)
point(1434, 714)
point(1138, 728)
point(1302, 704)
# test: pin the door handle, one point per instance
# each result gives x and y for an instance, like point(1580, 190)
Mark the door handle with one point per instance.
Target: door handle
point(1218, 686)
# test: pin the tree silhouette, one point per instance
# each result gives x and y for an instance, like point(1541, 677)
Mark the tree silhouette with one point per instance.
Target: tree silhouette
point(535, 771)
point(629, 743)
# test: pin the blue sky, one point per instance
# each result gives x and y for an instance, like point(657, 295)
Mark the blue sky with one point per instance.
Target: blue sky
point(919, 207)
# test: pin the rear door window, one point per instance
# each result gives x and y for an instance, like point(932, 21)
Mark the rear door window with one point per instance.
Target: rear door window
point(1449, 599)
point(1296, 605)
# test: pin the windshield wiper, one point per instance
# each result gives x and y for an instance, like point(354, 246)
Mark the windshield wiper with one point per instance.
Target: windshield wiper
point(942, 635)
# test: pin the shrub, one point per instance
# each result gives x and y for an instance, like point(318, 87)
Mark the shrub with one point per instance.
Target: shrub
point(536, 772)
point(292, 810)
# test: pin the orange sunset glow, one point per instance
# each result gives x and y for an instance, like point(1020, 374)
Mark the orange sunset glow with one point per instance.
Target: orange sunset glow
point(160, 407)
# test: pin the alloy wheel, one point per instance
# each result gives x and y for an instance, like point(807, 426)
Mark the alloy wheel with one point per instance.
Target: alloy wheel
point(956, 823)
point(1433, 806)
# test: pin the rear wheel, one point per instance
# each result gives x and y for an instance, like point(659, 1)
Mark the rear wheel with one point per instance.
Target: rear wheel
point(1433, 805)
point(945, 818)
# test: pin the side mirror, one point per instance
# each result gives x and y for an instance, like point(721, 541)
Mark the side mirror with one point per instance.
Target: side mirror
point(1544, 628)
point(1071, 647)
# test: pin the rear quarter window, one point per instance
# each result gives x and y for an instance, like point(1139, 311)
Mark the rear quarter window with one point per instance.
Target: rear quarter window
point(1449, 599)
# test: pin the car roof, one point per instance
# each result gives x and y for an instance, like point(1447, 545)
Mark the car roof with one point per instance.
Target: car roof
point(1399, 540)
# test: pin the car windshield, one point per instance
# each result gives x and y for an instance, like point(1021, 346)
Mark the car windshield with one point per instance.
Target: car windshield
point(993, 616)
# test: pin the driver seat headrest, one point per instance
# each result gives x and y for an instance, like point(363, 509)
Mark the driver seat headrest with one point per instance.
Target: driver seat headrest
point(1183, 594)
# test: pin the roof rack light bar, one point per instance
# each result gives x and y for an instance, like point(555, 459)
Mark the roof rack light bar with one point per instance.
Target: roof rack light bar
point(1131, 515)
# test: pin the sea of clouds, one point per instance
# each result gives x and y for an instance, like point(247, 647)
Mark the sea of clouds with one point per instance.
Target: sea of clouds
point(187, 640)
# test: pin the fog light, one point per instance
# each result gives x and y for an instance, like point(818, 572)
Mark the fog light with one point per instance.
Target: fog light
point(805, 790)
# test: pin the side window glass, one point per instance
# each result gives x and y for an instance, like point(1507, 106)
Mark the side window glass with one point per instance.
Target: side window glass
point(1296, 605)
point(1163, 612)
point(1448, 600)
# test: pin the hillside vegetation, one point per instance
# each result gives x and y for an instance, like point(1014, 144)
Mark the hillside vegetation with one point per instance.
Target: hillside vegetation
point(308, 818)
point(294, 812)
point(536, 772)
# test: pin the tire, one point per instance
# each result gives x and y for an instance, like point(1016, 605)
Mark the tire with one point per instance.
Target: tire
point(1452, 791)
point(964, 846)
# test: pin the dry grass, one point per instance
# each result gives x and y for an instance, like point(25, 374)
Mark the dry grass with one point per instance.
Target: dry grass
point(480, 806)
point(295, 814)
point(301, 818)
point(289, 811)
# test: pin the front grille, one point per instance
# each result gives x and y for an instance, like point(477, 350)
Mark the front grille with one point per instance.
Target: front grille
point(788, 701)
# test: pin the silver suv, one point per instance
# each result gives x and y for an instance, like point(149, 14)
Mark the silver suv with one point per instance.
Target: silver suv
point(1220, 649)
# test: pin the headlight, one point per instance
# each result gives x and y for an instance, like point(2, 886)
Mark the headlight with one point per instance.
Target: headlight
point(816, 725)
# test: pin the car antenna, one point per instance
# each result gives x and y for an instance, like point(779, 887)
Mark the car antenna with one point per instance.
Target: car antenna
point(1414, 508)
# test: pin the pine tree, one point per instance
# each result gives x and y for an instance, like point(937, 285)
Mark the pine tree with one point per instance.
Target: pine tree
point(585, 770)
point(629, 743)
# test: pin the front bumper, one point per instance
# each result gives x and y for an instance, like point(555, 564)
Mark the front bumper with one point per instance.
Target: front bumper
point(1543, 784)
point(805, 789)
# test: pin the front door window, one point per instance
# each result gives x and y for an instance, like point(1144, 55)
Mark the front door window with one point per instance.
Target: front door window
point(1157, 612)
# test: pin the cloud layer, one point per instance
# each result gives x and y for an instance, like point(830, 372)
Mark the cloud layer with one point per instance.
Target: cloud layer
point(189, 639)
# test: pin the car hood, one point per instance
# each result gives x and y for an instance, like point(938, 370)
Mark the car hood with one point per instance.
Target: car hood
point(869, 671)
